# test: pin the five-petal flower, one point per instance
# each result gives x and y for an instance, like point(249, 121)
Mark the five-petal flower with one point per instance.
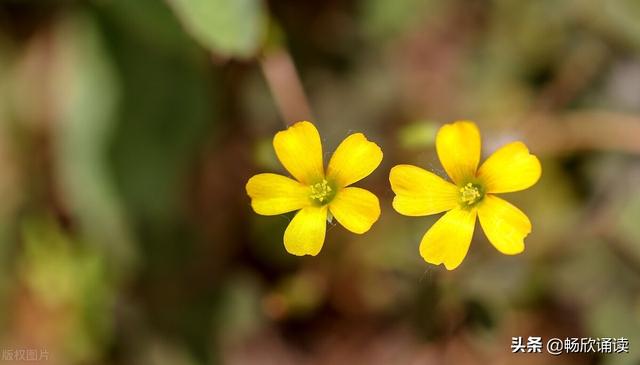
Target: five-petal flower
point(314, 193)
point(420, 192)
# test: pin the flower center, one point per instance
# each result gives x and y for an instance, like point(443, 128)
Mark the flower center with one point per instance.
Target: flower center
point(470, 194)
point(322, 192)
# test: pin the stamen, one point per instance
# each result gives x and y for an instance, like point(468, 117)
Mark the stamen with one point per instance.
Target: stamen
point(470, 194)
point(321, 192)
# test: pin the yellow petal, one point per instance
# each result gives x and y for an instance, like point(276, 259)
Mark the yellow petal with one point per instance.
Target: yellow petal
point(299, 150)
point(354, 159)
point(305, 233)
point(356, 209)
point(273, 194)
point(504, 224)
point(419, 192)
point(510, 168)
point(448, 240)
point(458, 146)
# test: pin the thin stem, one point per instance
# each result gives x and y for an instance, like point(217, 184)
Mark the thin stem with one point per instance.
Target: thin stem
point(285, 85)
point(594, 130)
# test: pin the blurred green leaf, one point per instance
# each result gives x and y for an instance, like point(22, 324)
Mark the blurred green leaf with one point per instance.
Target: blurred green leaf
point(87, 93)
point(238, 312)
point(302, 293)
point(614, 317)
point(232, 28)
point(63, 275)
point(265, 156)
point(166, 108)
point(418, 134)
point(617, 19)
point(384, 19)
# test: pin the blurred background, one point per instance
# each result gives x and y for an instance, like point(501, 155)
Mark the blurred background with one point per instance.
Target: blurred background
point(128, 130)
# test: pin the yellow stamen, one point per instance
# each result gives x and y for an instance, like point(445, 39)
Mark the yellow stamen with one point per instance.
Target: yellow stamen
point(321, 192)
point(470, 194)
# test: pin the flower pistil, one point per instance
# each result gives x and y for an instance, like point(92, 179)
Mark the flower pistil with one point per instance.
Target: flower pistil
point(321, 192)
point(471, 194)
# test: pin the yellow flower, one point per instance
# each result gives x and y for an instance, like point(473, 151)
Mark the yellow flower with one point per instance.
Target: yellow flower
point(419, 192)
point(317, 194)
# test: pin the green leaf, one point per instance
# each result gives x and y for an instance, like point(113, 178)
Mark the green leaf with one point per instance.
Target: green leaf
point(87, 93)
point(169, 107)
point(233, 28)
point(419, 134)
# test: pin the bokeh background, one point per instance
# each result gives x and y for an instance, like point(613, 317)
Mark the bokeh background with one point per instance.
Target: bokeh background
point(128, 130)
